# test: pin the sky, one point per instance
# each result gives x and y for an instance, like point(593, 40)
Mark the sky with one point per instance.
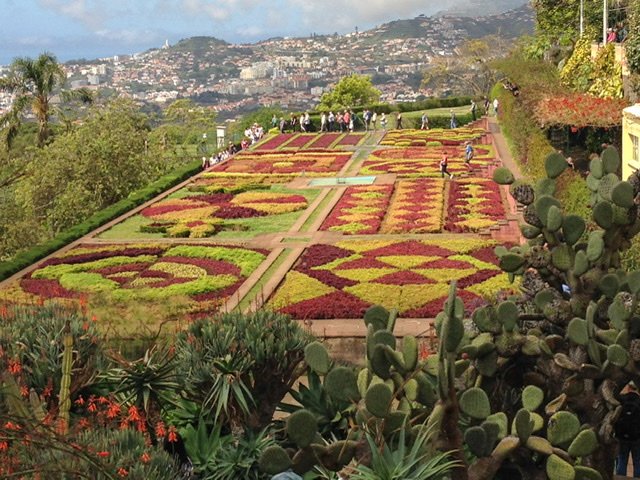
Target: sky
point(73, 29)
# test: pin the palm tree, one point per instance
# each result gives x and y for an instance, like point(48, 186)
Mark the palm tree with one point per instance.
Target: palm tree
point(32, 83)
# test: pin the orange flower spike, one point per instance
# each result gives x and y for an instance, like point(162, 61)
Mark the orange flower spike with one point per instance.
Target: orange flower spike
point(92, 407)
point(161, 430)
point(79, 401)
point(113, 411)
point(85, 326)
point(4, 446)
point(103, 454)
point(24, 391)
point(122, 472)
point(134, 415)
point(14, 367)
point(173, 435)
point(145, 458)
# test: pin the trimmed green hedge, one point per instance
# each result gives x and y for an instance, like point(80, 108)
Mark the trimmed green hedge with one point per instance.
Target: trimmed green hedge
point(527, 141)
point(28, 257)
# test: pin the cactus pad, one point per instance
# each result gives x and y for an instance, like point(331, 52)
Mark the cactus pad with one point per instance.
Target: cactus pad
point(558, 469)
point(475, 403)
point(554, 165)
point(578, 332)
point(622, 195)
point(617, 355)
point(554, 218)
point(586, 473)
point(532, 397)
point(595, 168)
point(603, 214)
point(476, 440)
point(584, 444)
point(562, 429)
point(573, 227)
point(274, 460)
point(523, 425)
point(522, 192)
point(316, 355)
point(377, 316)
point(508, 315)
point(341, 383)
point(610, 160)
point(302, 427)
point(378, 400)
point(540, 445)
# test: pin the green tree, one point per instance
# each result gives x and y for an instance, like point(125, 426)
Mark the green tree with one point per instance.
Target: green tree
point(471, 71)
point(95, 165)
point(33, 82)
point(351, 91)
point(184, 123)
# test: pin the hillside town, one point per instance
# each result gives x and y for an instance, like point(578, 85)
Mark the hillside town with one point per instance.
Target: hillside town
point(291, 72)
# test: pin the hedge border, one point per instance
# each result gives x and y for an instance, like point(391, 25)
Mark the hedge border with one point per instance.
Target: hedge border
point(29, 257)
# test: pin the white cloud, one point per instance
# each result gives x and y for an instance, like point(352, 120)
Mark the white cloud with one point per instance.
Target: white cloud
point(331, 15)
point(77, 10)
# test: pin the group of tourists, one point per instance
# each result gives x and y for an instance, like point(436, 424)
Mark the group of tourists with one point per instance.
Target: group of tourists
point(221, 156)
point(618, 34)
point(468, 156)
point(254, 134)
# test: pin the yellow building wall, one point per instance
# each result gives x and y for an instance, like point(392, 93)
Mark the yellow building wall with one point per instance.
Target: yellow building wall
point(630, 140)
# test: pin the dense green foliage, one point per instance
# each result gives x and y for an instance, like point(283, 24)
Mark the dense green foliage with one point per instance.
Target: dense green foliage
point(352, 91)
point(41, 250)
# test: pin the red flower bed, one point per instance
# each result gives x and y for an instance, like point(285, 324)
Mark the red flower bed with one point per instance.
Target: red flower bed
point(324, 140)
point(275, 142)
point(46, 288)
point(320, 254)
point(232, 211)
point(329, 278)
point(350, 140)
point(580, 110)
point(333, 305)
point(355, 274)
point(464, 215)
point(348, 215)
point(299, 141)
point(99, 255)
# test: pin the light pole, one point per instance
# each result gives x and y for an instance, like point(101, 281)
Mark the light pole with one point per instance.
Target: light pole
point(581, 17)
point(605, 21)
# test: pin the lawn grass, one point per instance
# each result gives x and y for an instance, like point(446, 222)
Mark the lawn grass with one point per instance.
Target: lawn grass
point(319, 209)
point(130, 229)
point(241, 228)
point(246, 301)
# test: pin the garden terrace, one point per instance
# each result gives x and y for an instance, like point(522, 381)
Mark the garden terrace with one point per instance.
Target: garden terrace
point(250, 232)
point(193, 279)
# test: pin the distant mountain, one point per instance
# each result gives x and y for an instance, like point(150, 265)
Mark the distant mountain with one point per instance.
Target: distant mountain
point(476, 8)
point(508, 24)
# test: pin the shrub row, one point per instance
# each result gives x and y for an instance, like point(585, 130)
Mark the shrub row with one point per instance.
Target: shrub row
point(527, 140)
point(28, 257)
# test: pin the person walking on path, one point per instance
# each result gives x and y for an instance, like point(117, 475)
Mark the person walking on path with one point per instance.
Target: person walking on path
point(444, 164)
point(454, 121)
point(627, 431)
point(374, 119)
point(495, 106)
point(473, 110)
point(383, 121)
point(424, 122)
point(399, 121)
point(468, 154)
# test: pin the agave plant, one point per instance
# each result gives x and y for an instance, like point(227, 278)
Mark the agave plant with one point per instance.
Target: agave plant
point(405, 460)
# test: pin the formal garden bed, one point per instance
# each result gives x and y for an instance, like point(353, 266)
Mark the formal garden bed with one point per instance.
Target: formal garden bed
point(249, 212)
point(198, 278)
point(313, 163)
point(360, 210)
point(473, 205)
point(343, 280)
point(423, 161)
point(416, 207)
point(432, 137)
